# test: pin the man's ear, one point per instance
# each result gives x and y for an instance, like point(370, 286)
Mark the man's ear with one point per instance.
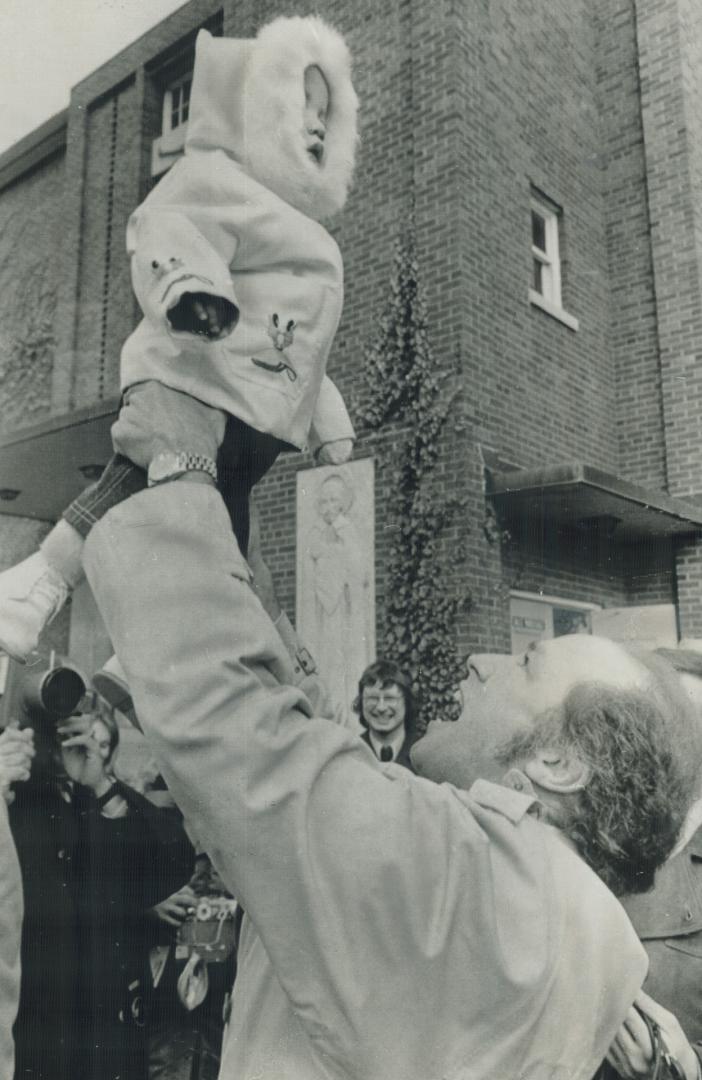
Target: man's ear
point(559, 771)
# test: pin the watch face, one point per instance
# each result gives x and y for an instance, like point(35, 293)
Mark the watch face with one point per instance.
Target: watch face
point(164, 466)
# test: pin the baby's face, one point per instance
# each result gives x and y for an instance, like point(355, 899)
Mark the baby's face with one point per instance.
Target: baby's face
point(316, 110)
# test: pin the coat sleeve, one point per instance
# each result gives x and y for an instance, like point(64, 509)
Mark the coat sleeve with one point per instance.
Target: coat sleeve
point(372, 891)
point(331, 420)
point(183, 239)
point(288, 805)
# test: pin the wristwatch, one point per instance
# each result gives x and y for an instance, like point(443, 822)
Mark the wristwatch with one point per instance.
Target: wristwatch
point(169, 465)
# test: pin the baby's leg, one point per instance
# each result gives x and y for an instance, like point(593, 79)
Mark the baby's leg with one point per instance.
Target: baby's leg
point(168, 433)
point(33, 592)
point(154, 420)
point(244, 457)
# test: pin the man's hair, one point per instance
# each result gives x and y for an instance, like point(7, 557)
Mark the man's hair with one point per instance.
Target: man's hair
point(643, 751)
point(384, 673)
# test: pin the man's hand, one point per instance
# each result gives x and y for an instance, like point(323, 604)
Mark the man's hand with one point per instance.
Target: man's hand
point(16, 753)
point(174, 910)
point(335, 453)
point(631, 1053)
point(205, 315)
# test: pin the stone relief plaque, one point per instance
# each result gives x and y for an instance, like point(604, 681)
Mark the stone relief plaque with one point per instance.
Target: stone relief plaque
point(336, 574)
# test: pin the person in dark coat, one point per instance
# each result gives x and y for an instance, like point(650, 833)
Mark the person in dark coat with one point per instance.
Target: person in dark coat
point(95, 856)
point(386, 708)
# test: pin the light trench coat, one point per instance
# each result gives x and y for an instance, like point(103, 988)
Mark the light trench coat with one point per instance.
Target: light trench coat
point(396, 929)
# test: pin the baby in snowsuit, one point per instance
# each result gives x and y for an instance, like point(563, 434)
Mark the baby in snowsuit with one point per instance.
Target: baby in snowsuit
point(241, 290)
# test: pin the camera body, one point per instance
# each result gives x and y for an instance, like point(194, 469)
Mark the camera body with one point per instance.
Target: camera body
point(210, 931)
point(41, 694)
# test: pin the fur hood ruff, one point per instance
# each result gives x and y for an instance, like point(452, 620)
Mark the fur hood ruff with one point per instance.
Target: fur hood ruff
point(248, 99)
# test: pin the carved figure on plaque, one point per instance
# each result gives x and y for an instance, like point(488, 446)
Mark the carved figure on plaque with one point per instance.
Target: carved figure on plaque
point(335, 593)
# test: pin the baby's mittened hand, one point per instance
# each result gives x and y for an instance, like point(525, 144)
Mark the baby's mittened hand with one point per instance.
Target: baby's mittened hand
point(335, 453)
point(205, 315)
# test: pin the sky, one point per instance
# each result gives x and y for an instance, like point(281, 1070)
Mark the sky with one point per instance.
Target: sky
point(47, 46)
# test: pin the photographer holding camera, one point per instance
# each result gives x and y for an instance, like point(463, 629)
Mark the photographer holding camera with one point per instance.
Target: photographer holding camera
point(95, 857)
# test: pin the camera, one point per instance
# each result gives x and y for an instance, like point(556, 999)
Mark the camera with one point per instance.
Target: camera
point(46, 691)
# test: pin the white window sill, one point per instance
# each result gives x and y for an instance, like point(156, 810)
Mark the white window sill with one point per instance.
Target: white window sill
point(167, 149)
point(553, 310)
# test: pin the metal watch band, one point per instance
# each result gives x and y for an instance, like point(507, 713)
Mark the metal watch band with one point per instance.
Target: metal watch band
point(168, 465)
point(200, 463)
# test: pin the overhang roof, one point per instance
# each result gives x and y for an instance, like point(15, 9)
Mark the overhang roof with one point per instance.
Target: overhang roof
point(42, 464)
point(576, 495)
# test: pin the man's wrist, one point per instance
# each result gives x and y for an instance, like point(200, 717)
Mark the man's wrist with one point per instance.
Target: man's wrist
point(171, 465)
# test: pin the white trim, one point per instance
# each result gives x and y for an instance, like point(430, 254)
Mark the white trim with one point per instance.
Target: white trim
point(555, 601)
point(166, 116)
point(549, 258)
point(553, 310)
point(168, 147)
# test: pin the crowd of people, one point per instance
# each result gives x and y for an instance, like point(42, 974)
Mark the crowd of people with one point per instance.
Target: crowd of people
point(109, 878)
point(122, 978)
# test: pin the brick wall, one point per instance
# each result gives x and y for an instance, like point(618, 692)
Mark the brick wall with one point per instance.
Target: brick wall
point(542, 392)
point(106, 310)
point(632, 316)
point(467, 106)
point(669, 46)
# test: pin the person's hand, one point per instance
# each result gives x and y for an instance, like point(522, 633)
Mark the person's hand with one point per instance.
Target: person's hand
point(174, 909)
point(16, 753)
point(205, 315)
point(631, 1053)
point(83, 756)
point(335, 453)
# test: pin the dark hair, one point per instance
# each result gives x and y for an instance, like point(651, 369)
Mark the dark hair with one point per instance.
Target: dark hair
point(643, 753)
point(386, 673)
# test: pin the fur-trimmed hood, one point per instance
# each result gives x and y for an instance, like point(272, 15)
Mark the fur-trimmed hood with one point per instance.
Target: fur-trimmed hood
point(248, 99)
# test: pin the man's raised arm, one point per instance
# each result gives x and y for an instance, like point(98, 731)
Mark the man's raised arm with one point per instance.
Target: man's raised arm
point(384, 903)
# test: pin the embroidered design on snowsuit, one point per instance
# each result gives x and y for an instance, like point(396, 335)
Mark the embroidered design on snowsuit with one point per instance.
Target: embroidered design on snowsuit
point(276, 359)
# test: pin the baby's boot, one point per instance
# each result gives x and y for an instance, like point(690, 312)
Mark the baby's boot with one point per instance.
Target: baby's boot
point(33, 592)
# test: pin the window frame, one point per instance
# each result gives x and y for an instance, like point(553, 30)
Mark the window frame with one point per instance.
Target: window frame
point(549, 258)
point(167, 125)
point(167, 147)
point(550, 605)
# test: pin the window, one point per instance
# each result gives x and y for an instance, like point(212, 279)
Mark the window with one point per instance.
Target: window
point(176, 104)
point(534, 617)
point(168, 147)
point(545, 283)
